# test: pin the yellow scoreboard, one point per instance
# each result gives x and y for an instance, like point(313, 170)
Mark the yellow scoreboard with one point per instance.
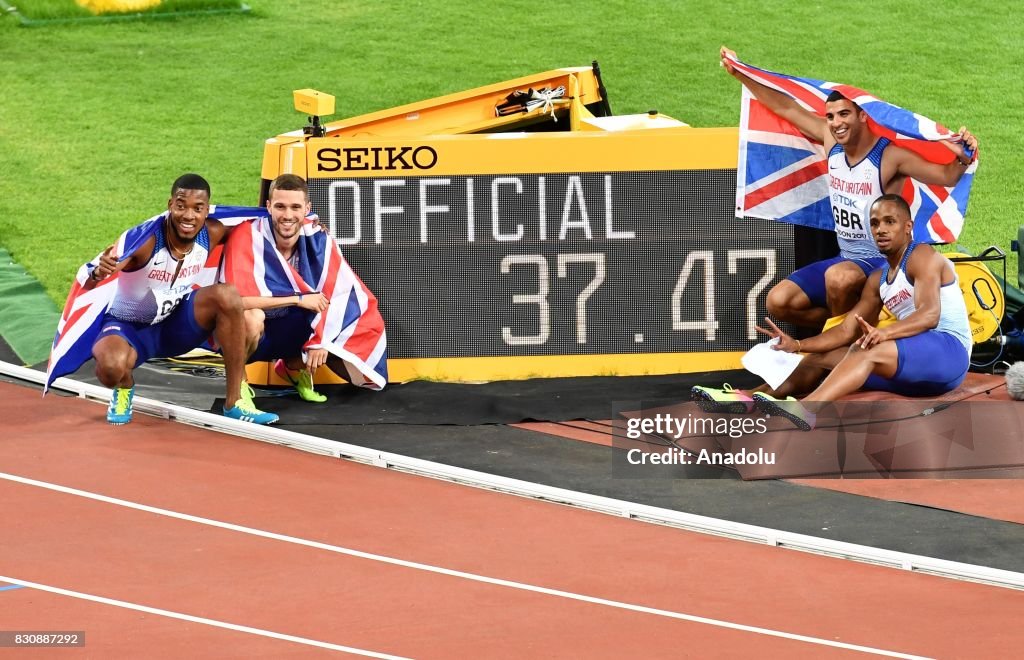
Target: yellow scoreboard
point(549, 240)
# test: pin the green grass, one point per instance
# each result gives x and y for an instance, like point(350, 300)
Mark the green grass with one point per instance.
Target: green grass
point(97, 120)
point(42, 11)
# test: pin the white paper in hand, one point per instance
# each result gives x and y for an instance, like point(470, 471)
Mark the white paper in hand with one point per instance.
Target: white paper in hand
point(774, 366)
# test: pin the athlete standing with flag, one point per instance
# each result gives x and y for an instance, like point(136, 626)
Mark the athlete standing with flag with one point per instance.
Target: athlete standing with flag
point(862, 166)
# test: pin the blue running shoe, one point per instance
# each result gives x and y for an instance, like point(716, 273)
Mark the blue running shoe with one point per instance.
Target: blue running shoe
point(120, 410)
point(246, 411)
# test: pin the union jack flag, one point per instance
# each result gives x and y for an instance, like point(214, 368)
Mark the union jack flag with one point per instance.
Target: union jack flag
point(80, 322)
point(351, 327)
point(782, 175)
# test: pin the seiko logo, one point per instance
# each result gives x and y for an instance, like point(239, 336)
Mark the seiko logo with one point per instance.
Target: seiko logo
point(385, 159)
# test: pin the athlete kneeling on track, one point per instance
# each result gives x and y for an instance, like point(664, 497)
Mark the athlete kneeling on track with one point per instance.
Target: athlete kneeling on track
point(304, 306)
point(158, 308)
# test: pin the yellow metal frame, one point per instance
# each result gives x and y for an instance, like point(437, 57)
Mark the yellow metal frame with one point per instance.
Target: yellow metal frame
point(470, 111)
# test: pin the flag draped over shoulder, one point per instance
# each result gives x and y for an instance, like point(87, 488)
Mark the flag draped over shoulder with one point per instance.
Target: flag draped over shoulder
point(782, 175)
point(351, 327)
point(80, 322)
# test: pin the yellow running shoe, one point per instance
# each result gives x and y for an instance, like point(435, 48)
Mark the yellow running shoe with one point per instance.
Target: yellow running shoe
point(789, 408)
point(303, 383)
point(725, 400)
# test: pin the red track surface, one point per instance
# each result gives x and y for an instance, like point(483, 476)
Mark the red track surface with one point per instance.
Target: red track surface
point(75, 543)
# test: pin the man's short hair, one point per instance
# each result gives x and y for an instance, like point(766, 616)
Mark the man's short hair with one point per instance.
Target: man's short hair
point(289, 182)
point(190, 181)
point(897, 200)
point(836, 95)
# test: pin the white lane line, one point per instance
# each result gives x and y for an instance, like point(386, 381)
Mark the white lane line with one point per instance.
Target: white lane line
point(199, 619)
point(452, 572)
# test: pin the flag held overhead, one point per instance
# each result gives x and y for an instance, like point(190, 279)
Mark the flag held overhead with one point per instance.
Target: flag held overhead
point(781, 174)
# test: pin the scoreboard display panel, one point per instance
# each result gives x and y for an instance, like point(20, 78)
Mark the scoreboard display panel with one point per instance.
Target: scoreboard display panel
point(513, 255)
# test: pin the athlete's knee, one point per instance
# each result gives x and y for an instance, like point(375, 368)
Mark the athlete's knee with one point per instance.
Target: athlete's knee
point(254, 329)
point(780, 300)
point(254, 322)
point(874, 356)
point(113, 364)
point(843, 281)
point(226, 298)
point(109, 374)
point(843, 287)
point(854, 352)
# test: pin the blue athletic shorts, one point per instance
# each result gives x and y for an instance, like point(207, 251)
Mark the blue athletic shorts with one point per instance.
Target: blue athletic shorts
point(811, 278)
point(929, 364)
point(178, 333)
point(284, 336)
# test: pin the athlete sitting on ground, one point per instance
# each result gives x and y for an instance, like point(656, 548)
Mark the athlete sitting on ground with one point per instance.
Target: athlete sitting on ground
point(926, 352)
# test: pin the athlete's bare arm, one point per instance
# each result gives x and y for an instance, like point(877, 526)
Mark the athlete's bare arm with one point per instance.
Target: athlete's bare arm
point(926, 268)
point(109, 264)
point(868, 307)
point(810, 124)
point(313, 302)
point(217, 231)
point(900, 163)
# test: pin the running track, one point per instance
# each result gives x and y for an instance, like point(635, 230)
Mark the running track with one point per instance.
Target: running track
point(313, 556)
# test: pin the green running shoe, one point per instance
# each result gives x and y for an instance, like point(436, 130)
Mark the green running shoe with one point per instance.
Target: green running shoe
point(789, 408)
point(725, 400)
point(303, 384)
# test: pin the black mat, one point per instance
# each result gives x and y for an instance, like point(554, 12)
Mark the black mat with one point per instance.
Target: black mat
point(502, 402)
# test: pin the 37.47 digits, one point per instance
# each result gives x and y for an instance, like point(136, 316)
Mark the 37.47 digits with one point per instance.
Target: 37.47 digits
point(698, 264)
